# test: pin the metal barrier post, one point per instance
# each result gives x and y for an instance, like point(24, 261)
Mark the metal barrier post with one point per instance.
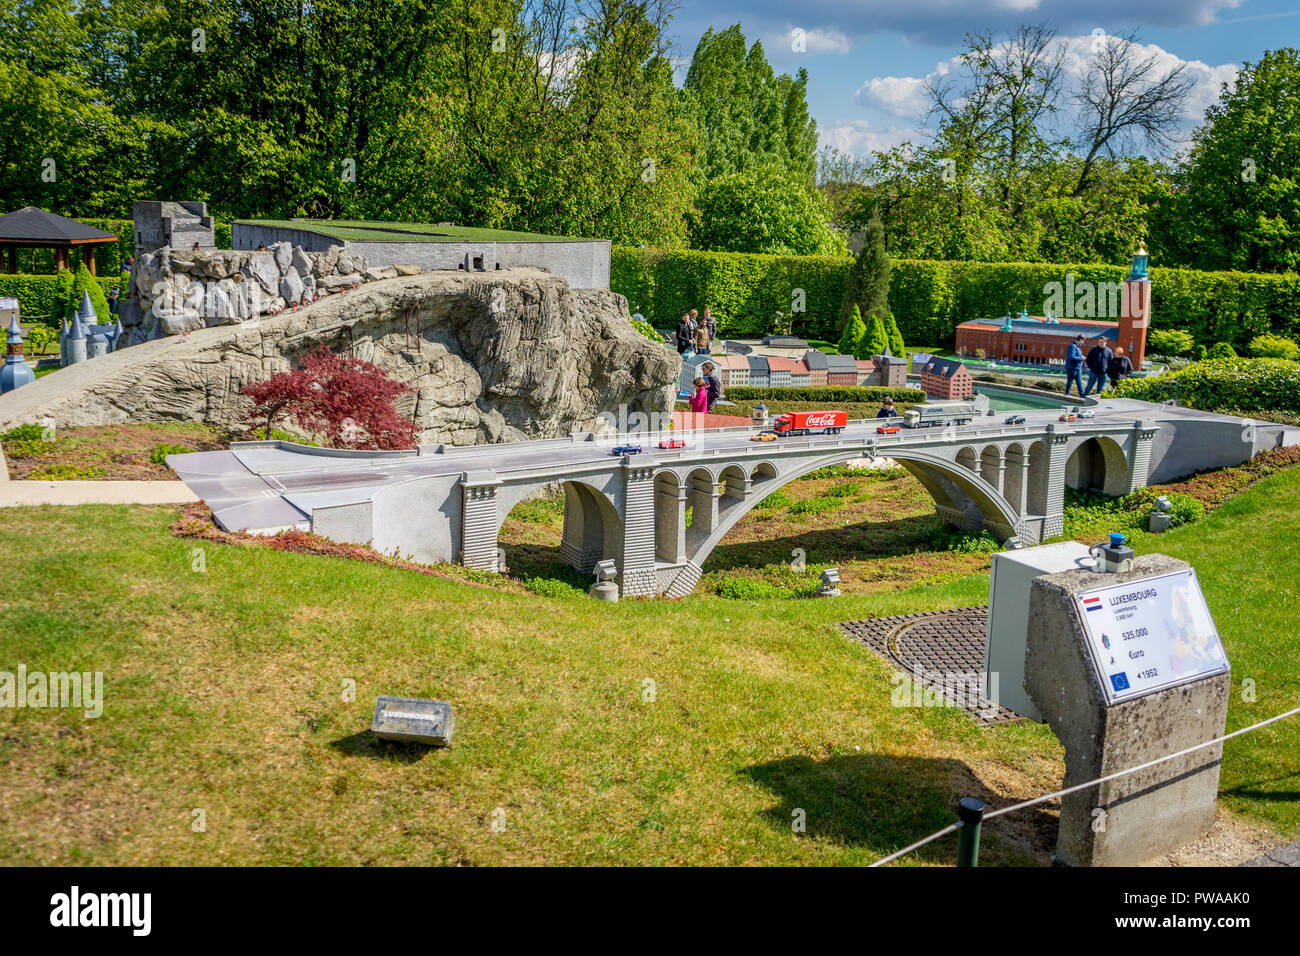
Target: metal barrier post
point(971, 812)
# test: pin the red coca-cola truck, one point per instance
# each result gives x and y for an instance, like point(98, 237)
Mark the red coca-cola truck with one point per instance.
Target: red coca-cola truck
point(810, 423)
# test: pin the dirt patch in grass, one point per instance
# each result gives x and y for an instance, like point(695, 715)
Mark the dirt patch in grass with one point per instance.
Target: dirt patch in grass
point(196, 521)
point(109, 452)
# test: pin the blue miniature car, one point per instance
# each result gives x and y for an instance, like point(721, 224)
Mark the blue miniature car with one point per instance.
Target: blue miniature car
point(1015, 420)
point(626, 450)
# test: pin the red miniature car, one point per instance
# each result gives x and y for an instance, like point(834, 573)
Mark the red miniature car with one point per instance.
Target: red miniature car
point(1068, 417)
point(673, 443)
point(888, 429)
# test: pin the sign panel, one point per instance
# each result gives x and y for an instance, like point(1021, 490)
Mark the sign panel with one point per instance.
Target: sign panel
point(413, 719)
point(1150, 634)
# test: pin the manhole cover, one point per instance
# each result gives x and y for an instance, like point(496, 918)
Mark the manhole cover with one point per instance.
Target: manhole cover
point(943, 651)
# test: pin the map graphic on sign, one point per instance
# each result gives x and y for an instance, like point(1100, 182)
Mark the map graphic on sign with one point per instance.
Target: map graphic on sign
point(1150, 634)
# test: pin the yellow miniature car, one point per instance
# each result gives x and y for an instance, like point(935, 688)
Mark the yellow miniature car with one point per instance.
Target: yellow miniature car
point(764, 436)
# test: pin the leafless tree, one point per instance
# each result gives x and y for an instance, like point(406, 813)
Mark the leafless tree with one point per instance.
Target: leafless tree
point(1124, 96)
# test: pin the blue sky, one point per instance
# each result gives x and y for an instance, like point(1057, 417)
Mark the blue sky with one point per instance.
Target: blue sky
point(866, 59)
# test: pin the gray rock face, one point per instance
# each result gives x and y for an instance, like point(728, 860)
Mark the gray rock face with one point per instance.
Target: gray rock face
point(291, 286)
point(300, 261)
point(534, 360)
point(261, 266)
point(283, 255)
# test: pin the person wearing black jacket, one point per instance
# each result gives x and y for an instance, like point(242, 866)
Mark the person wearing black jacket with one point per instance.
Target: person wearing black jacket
point(1119, 368)
point(1098, 362)
point(685, 335)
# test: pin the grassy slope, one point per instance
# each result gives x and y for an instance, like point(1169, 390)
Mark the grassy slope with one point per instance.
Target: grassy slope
point(224, 687)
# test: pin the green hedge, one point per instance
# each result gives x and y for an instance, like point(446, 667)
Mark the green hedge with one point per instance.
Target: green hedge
point(1235, 383)
point(38, 295)
point(930, 298)
point(824, 393)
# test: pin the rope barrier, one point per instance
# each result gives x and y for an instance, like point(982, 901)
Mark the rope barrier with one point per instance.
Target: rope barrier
point(954, 827)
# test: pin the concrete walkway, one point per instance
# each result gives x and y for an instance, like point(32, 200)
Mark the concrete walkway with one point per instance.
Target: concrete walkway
point(20, 493)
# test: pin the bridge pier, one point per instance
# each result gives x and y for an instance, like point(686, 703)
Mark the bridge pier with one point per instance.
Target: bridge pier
point(1140, 459)
point(637, 568)
point(479, 520)
point(670, 519)
point(584, 538)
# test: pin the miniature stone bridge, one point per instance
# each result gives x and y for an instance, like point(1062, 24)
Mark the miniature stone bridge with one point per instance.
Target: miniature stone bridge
point(438, 503)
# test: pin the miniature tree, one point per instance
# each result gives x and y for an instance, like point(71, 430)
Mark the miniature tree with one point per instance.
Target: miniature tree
point(85, 282)
point(897, 347)
point(854, 329)
point(875, 341)
point(347, 401)
point(867, 284)
point(1221, 350)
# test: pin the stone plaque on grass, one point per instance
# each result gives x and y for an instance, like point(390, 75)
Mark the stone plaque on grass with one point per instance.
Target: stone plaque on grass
point(413, 720)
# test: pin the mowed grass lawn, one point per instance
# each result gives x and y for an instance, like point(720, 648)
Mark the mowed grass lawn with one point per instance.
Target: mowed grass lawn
point(650, 732)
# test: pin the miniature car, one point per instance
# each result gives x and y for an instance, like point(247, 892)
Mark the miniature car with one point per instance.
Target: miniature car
point(1087, 413)
point(1069, 417)
point(764, 436)
point(626, 450)
point(1014, 420)
point(888, 429)
point(673, 443)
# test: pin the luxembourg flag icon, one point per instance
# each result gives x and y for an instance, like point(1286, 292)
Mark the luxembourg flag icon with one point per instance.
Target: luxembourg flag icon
point(1092, 604)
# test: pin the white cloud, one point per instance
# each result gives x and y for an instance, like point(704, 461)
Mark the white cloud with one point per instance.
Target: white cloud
point(860, 138)
point(902, 96)
point(813, 41)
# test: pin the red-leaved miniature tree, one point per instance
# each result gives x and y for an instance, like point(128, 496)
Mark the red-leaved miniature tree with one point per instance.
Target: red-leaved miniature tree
point(348, 401)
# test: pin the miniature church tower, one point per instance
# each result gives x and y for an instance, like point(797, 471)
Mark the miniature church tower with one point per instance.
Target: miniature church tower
point(1135, 316)
point(16, 372)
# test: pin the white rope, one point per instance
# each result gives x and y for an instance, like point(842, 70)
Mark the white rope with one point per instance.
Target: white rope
point(1091, 783)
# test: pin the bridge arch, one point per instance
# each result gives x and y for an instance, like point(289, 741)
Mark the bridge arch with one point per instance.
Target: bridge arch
point(966, 458)
point(1098, 464)
point(960, 495)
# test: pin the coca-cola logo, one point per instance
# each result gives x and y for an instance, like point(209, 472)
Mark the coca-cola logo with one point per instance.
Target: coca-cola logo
point(814, 421)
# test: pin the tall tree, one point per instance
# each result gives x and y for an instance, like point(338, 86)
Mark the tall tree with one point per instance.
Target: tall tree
point(747, 114)
point(1239, 202)
point(866, 288)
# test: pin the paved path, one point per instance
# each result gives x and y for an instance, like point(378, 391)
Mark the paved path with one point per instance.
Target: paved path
point(1288, 855)
point(19, 493)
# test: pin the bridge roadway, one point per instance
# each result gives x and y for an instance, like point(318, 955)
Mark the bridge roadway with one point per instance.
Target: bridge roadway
point(439, 503)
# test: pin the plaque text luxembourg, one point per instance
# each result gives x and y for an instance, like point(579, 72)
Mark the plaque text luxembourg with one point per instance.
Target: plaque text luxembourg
point(1150, 634)
point(412, 719)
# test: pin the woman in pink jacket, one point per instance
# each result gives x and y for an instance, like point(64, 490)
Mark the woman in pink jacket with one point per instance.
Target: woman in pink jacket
point(700, 400)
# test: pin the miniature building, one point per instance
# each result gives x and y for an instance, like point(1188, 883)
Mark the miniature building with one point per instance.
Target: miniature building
point(947, 379)
point(176, 224)
point(759, 376)
point(919, 361)
point(15, 373)
point(815, 360)
point(733, 370)
point(1044, 340)
point(800, 377)
point(841, 370)
point(784, 342)
point(779, 371)
point(882, 371)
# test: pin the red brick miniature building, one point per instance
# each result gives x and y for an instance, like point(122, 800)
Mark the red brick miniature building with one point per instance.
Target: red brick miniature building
point(947, 379)
point(1043, 340)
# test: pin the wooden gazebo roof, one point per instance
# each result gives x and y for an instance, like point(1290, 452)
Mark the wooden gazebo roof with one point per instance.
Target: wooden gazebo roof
point(32, 228)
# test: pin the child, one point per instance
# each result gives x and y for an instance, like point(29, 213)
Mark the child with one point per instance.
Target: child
point(700, 400)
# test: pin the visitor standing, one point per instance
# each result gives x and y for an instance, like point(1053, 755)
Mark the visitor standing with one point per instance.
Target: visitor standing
point(1074, 366)
point(1120, 367)
point(685, 334)
point(701, 340)
point(112, 301)
point(1098, 361)
point(710, 324)
point(887, 409)
point(713, 381)
point(700, 400)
